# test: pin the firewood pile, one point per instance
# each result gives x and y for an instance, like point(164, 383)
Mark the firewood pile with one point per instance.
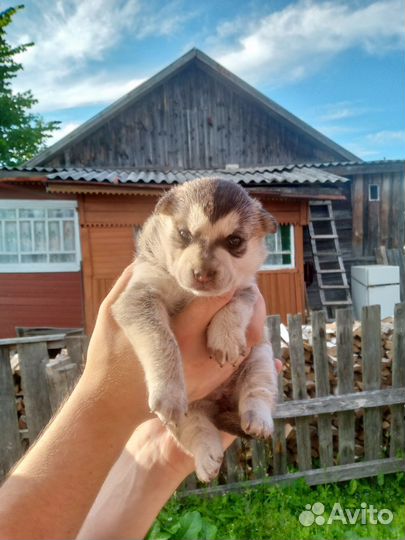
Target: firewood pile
point(387, 329)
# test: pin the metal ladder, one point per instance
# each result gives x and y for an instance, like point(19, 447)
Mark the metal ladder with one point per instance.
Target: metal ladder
point(334, 290)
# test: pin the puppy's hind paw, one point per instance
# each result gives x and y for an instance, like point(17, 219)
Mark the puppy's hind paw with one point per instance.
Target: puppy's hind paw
point(170, 407)
point(207, 467)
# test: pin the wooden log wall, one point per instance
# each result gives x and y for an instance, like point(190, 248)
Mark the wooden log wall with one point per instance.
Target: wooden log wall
point(362, 225)
point(378, 223)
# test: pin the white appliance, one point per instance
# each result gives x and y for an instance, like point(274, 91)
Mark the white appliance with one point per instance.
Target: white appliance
point(375, 284)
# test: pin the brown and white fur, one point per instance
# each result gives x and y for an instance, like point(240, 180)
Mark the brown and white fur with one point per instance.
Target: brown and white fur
point(205, 238)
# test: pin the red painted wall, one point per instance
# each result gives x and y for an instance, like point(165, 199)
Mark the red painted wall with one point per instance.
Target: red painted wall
point(53, 300)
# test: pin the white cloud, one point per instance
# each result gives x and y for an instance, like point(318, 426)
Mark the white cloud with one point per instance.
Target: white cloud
point(386, 137)
point(341, 111)
point(98, 90)
point(293, 43)
point(64, 130)
point(72, 39)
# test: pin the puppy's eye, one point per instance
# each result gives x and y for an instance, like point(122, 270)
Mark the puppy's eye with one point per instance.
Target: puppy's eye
point(185, 235)
point(234, 241)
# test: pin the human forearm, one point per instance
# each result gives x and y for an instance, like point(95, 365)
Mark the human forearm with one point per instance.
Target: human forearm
point(149, 470)
point(52, 488)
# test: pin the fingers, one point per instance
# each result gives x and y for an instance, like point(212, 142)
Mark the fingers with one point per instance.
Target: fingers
point(279, 365)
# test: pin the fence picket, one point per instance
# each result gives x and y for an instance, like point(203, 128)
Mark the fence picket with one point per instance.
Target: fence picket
point(320, 354)
point(278, 437)
point(62, 378)
point(299, 390)
point(259, 458)
point(371, 356)
point(77, 349)
point(344, 342)
point(10, 442)
point(33, 357)
point(234, 472)
point(398, 380)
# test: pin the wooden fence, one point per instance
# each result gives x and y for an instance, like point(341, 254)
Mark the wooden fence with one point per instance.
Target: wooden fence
point(45, 384)
point(342, 464)
point(44, 388)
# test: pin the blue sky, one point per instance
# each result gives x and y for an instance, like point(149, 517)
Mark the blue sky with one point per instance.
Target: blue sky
point(337, 65)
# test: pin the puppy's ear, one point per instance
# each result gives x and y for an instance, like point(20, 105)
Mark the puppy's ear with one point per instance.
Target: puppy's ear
point(267, 221)
point(166, 203)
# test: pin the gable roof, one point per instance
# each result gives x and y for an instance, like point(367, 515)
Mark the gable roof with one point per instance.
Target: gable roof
point(194, 55)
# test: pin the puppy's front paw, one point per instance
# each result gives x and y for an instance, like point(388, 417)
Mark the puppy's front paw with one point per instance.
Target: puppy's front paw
point(169, 403)
point(258, 424)
point(208, 459)
point(226, 345)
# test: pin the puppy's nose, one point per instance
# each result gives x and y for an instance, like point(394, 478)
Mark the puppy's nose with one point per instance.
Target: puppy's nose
point(204, 276)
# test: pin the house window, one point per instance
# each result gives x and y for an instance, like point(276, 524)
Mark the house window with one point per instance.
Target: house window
point(280, 247)
point(39, 236)
point(373, 192)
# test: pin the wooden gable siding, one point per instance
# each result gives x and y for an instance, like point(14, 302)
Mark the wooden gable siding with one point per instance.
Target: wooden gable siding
point(108, 224)
point(194, 120)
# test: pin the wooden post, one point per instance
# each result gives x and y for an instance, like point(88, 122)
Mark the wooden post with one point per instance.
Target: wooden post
point(234, 472)
point(33, 357)
point(322, 386)
point(344, 341)
point(299, 389)
point(62, 377)
point(259, 459)
point(398, 380)
point(10, 442)
point(278, 438)
point(371, 355)
point(77, 350)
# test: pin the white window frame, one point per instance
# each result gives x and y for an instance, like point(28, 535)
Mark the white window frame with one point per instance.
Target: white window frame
point(369, 192)
point(42, 267)
point(270, 267)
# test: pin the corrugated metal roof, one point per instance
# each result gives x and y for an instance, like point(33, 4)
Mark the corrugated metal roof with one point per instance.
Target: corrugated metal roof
point(263, 176)
point(258, 176)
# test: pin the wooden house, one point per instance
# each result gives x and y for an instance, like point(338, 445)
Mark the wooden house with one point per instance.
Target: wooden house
point(68, 217)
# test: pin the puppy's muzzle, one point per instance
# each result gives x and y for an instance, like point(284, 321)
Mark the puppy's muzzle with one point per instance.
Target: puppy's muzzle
point(204, 276)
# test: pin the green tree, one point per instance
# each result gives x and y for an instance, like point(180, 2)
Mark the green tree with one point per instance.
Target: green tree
point(22, 132)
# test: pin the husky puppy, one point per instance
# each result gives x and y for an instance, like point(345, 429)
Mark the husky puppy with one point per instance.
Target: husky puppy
point(205, 238)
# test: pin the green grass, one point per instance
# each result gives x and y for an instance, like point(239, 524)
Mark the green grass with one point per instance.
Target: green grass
point(271, 512)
